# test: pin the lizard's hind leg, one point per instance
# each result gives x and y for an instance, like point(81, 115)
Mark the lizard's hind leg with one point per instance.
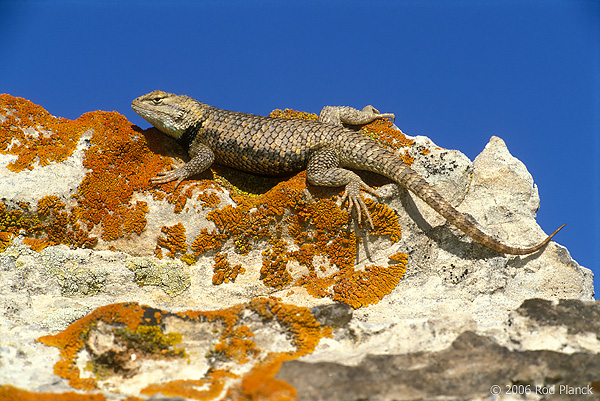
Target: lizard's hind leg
point(323, 170)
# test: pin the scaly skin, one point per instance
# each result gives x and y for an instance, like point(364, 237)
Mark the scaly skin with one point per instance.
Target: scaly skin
point(272, 146)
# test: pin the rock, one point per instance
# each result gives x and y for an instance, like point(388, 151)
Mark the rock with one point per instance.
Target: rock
point(472, 367)
point(235, 286)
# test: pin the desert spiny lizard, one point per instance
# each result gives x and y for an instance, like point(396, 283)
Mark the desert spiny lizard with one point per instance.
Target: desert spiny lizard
point(273, 146)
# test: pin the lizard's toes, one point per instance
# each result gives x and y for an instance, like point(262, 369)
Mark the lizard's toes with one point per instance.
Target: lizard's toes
point(370, 190)
point(355, 201)
point(167, 176)
point(341, 200)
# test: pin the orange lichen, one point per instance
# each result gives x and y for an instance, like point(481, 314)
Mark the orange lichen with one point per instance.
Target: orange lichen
point(383, 131)
point(134, 220)
point(194, 389)
point(363, 288)
point(181, 194)
point(211, 200)
point(5, 239)
point(49, 204)
point(33, 135)
point(260, 384)
point(235, 345)
point(71, 340)
point(175, 241)
point(385, 220)
point(386, 134)
point(119, 162)
point(10, 393)
point(399, 257)
point(223, 271)
point(305, 330)
point(206, 241)
point(273, 271)
point(138, 328)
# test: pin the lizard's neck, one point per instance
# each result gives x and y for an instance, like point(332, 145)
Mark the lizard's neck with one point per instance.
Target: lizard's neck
point(188, 135)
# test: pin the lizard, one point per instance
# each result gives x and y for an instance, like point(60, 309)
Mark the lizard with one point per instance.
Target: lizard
point(326, 149)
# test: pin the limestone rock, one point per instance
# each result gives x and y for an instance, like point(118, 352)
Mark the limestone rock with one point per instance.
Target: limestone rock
point(112, 287)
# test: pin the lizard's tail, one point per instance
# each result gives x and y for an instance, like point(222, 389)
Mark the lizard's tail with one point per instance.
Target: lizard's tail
point(410, 179)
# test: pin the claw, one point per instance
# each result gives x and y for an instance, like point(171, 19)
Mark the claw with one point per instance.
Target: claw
point(167, 176)
point(355, 201)
point(369, 190)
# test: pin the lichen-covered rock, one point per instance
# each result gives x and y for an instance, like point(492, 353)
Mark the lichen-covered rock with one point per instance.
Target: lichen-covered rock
point(112, 288)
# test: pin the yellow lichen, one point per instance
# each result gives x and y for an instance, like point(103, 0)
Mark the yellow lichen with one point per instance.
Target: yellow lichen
point(52, 225)
point(189, 259)
point(294, 115)
point(150, 341)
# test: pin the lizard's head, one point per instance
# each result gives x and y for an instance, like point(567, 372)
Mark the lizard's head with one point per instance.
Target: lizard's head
point(170, 113)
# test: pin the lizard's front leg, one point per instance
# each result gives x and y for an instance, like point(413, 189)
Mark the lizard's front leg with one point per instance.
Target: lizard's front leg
point(323, 170)
point(202, 158)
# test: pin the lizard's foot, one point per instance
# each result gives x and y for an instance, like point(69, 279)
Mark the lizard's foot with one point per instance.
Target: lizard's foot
point(355, 200)
point(169, 175)
point(372, 110)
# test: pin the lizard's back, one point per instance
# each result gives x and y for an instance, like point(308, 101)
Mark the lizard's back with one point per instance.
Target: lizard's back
point(263, 145)
point(274, 146)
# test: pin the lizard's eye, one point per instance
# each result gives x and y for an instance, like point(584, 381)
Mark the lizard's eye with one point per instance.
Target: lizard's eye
point(157, 100)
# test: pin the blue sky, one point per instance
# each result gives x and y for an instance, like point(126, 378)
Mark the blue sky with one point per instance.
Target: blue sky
point(457, 71)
